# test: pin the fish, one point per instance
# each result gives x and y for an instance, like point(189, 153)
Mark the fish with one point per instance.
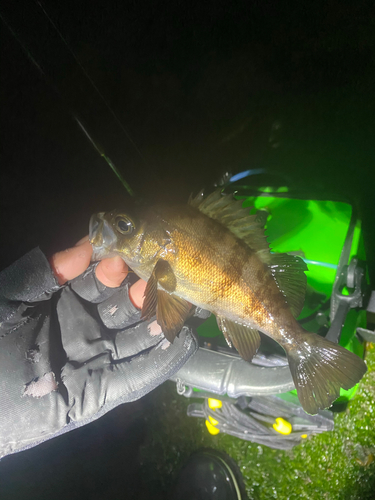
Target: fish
point(212, 253)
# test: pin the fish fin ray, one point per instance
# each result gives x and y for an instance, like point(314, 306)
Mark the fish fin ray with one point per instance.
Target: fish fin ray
point(289, 273)
point(246, 340)
point(320, 368)
point(194, 201)
point(229, 212)
point(150, 301)
point(171, 314)
point(163, 274)
point(171, 311)
point(287, 270)
point(224, 330)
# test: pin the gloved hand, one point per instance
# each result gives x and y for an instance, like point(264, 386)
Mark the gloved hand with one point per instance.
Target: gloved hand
point(70, 353)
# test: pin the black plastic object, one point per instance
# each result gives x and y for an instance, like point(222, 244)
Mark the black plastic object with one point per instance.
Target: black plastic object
point(209, 475)
point(253, 419)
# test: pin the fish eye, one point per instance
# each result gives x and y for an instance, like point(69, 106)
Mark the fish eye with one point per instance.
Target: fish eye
point(124, 225)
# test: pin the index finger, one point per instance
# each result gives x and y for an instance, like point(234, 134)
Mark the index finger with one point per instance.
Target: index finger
point(111, 272)
point(70, 263)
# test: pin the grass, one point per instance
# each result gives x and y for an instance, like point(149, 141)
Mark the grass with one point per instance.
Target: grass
point(333, 465)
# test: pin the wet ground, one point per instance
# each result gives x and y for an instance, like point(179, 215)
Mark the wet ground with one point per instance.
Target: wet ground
point(199, 89)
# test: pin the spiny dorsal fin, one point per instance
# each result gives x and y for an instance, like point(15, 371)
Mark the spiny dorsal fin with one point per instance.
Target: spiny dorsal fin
point(229, 212)
point(287, 270)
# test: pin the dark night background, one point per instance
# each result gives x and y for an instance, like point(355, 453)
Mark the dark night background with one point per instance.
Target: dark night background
point(201, 88)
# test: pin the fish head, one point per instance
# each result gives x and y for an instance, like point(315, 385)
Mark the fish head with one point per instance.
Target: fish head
point(115, 233)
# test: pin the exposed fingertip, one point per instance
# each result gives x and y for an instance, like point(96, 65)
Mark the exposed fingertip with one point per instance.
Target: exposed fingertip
point(165, 344)
point(82, 241)
point(70, 263)
point(136, 293)
point(116, 265)
point(111, 272)
point(154, 329)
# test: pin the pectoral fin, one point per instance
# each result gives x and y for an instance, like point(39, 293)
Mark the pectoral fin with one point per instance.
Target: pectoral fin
point(162, 274)
point(151, 298)
point(246, 340)
point(171, 314)
point(171, 311)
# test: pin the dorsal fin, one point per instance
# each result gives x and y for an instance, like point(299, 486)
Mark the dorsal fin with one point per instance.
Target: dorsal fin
point(287, 270)
point(229, 212)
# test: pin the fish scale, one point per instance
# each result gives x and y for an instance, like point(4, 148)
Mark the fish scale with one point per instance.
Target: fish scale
point(213, 254)
point(224, 292)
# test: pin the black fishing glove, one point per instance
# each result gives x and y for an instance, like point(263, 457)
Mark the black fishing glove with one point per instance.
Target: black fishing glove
point(70, 354)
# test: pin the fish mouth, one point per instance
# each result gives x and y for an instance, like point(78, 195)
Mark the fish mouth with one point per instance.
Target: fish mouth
point(102, 237)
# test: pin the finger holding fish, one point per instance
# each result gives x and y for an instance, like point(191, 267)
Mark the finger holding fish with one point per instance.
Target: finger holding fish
point(211, 253)
point(111, 272)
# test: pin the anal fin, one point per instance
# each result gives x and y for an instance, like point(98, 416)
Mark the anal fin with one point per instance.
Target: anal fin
point(246, 340)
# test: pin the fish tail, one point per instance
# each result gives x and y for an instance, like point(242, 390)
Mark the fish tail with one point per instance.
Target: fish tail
point(320, 368)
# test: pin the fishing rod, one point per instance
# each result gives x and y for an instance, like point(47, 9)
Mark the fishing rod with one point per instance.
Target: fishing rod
point(72, 113)
point(83, 69)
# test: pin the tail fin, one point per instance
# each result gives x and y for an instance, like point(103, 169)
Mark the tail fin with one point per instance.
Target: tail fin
point(319, 368)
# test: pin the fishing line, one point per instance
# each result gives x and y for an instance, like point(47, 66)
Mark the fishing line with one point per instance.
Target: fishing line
point(119, 123)
point(103, 155)
point(71, 112)
point(23, 46)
